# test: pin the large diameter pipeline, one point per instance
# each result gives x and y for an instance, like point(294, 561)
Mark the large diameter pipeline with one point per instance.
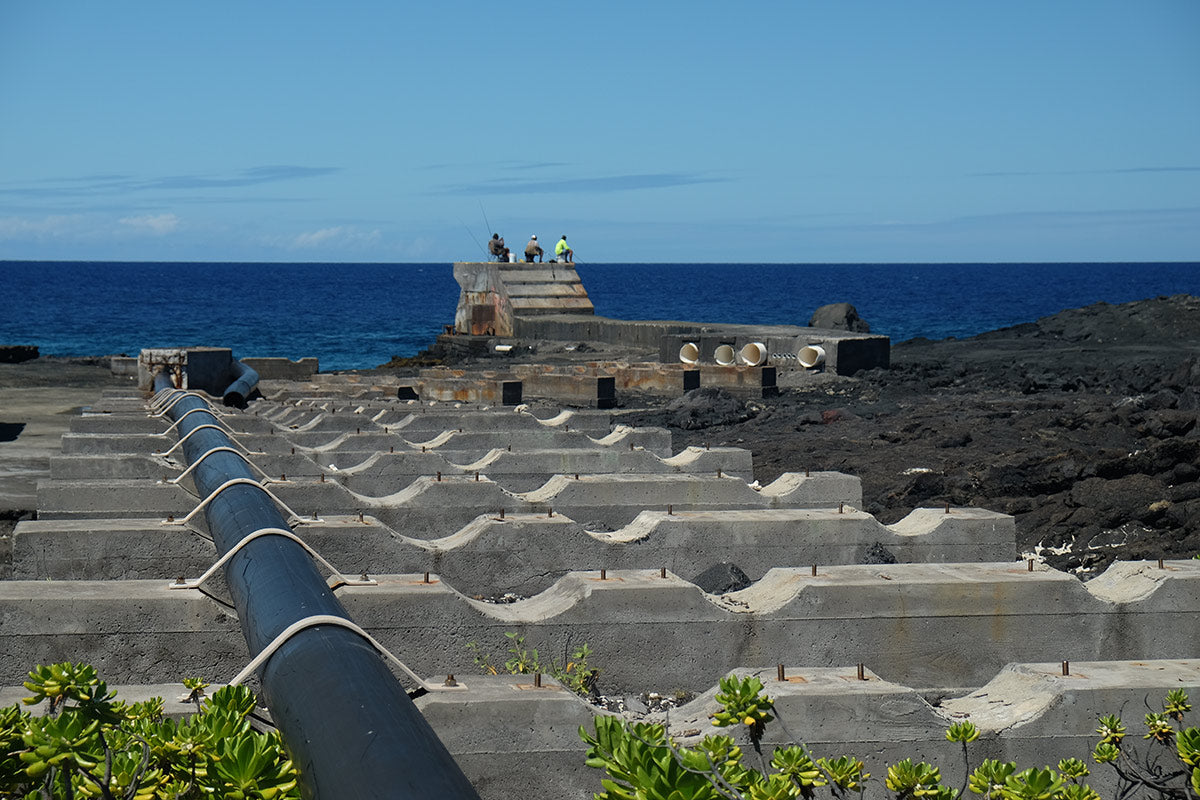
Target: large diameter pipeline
point(347, 722)
point(245, 379)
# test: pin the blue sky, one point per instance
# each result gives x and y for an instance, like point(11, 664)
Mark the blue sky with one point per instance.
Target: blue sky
point(868, 131)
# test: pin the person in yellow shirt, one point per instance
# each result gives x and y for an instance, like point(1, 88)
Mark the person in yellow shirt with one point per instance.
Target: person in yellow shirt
point(563, 251)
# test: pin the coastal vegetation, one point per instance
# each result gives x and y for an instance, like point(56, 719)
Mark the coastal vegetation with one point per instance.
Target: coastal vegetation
point(89, 744)
point(643, 762)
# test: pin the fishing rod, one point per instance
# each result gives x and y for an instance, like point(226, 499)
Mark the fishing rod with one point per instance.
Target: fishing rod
point(485, 219)
point(472, 235)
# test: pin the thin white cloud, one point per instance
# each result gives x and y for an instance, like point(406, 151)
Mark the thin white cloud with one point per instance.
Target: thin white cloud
point(155, 224)
point(337, 236)
point(48, 227)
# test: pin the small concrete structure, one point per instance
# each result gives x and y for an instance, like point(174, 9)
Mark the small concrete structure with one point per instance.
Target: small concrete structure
point(548, 301)
point(495, 295)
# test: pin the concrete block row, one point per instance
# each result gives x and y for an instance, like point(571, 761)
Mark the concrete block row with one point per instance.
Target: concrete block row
point(926, 626)
point(381, 472)
point(524, 554)
point(463, 444)
point(433, 507)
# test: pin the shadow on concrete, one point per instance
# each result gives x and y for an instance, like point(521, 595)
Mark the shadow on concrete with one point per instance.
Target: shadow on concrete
point(9, 431)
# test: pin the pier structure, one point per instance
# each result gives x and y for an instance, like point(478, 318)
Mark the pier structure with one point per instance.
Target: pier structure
point(504, 303)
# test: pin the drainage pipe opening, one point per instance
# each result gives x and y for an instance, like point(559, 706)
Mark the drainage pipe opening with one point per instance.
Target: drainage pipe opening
point(810, 356)
point(753, 354)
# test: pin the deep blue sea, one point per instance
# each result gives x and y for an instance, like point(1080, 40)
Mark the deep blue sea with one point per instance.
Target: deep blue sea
point(360, 315)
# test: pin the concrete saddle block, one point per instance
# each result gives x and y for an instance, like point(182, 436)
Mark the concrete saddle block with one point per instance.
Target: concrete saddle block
point(525, 553)
point(923, 625)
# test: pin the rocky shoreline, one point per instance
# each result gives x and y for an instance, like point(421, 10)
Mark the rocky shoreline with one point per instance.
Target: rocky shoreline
point(1081, 425)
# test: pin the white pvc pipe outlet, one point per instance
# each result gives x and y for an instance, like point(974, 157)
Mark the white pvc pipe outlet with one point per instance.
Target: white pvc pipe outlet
point(753, 354)
point(689, 354)
point(811, 355)
point(724, 355)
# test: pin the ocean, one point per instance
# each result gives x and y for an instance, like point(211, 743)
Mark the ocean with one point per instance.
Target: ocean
point(354, 316)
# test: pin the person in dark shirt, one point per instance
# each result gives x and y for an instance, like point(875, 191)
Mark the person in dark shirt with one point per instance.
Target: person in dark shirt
point(496, 247)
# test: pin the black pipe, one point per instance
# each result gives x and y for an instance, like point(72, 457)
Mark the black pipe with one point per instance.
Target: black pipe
point(245, 379)
point(349, 725)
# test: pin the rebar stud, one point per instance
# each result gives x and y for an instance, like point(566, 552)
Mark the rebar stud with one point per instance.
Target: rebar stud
point(841, 508)
point(1066, 668)
point(322, 477)
point(603, 574)
point(947, 508)
point(814, 570)
point(360, 517)
point(662, 572)
point(1031, 565)
point(862, 672)
point(1160, 563)
point(426, 578)
point(779, 673)
point(537, 680)
point(502, 513)
point(670, 510)
point(450, 681)
point(439, 476)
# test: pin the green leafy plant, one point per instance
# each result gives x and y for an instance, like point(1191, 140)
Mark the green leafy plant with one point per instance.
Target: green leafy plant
point(90, 745)
point(575, 670)
point(909, 780)
point(990, 777)
point(1153, 770)
point(643, 763)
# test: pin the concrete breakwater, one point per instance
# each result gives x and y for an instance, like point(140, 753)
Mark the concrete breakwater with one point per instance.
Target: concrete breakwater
point(946, 623)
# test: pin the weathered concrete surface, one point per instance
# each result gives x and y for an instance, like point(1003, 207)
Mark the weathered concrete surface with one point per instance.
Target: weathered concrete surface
point(131, 631)
point(924, 626)
point(512, 739)
point(494, 294)
point(432, 507)
point(525, 553)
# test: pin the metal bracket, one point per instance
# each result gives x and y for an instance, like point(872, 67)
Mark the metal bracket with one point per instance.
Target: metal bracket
point(220, 449)
point(206, 410)
point(161, 396)
point(294, 520)
point(162, 411)
point(329, 619)
point(228, 435)
point(341, 578)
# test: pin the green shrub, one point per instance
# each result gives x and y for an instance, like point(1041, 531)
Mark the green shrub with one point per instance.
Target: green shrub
point(90, 745)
